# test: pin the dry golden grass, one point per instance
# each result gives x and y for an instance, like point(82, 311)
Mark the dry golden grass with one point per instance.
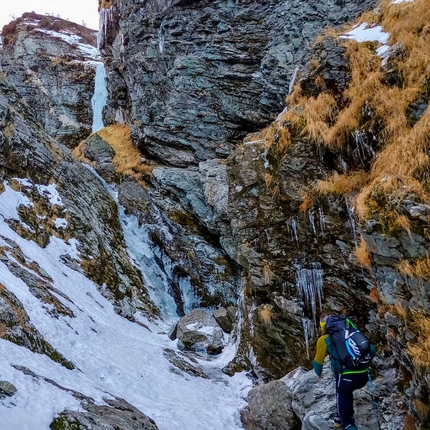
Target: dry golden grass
point(105, 4)
point(275, 137)
point(362, 253)
point(419, 268)
point(344, 184)
point(401, 221)
point(374, 297)
point(127, 160)
point(422, 408)
point(266, 314)
point(275, 192)
point(410, 423)
point(268, 178)
point(307, 203)
point(420, 351)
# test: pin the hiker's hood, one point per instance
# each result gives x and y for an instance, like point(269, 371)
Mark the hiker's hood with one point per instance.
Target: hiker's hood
point(323, 327)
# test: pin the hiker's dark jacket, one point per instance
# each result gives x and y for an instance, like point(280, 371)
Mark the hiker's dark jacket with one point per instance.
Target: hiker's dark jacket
point(325, 347)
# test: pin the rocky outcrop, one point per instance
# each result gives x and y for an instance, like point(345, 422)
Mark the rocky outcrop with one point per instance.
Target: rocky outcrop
point(66, 200)
point(300, 400)
point(293, 261)
point(52, 64)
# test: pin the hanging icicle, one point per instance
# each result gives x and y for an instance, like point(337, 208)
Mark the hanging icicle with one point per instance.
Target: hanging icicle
point(308, 331)
point(309, 283)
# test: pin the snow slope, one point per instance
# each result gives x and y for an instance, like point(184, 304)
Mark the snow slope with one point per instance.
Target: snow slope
point(112, 356)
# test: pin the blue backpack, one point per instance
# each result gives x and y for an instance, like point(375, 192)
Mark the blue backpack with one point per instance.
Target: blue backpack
point(351, 345)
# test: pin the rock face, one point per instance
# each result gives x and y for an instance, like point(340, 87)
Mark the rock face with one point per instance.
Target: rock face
point(211, 72)
point(65, 200)
point(52, 64)
point(208, 74)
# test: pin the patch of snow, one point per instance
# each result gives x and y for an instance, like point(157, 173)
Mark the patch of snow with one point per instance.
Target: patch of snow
point(60, 223)
point(192, 326)
point(51, 193)
point(207, 330)
point(382, 50)
point(363, 34)
point(73, 40)
point(10, 200)
point(400, 1)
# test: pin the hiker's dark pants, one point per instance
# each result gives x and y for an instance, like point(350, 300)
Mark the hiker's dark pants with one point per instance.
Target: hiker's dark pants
point(345, 385)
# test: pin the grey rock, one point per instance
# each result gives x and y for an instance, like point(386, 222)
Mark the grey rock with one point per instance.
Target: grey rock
point(382, 245)
point(182, 363)
point(215, 185)
point(313, 421)
point(115, 414)
point(225, 318)
point(270, 408)
point(7, 315)
point(173, 331)
point(7, 389)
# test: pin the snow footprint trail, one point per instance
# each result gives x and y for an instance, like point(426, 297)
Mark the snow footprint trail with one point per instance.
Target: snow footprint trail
point(112, 355)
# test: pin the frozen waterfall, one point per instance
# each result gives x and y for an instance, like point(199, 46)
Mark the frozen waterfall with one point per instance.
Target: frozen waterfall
point(157, 268)
point(99, 98)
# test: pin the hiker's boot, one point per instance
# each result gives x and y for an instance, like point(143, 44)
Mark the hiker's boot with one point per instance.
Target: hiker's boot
point(337, 423)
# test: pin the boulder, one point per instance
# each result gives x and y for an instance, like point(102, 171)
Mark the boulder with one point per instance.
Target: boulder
point(270, 408)
point(200, 332)
point(116, 414)
point(7, 389)
point(226, 318)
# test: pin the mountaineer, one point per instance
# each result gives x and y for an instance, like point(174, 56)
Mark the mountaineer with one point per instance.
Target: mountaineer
point(351, 371)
